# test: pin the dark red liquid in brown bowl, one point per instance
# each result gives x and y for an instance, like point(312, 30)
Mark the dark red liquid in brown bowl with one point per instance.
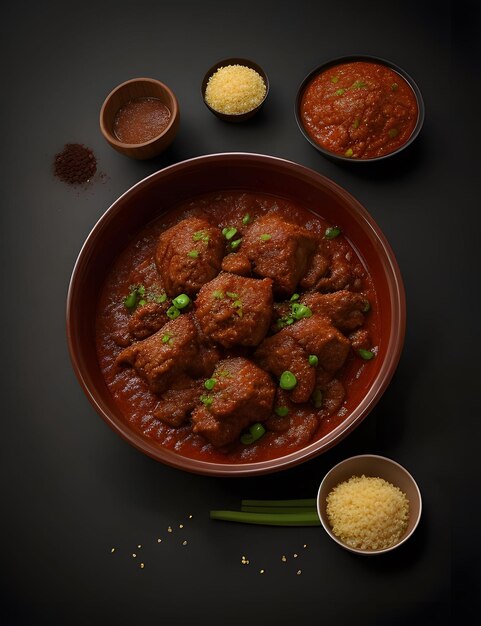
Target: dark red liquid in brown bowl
point(158, 201)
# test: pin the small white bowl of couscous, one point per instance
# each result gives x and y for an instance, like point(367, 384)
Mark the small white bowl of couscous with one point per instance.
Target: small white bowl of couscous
point(369, 504)
point(235, 89)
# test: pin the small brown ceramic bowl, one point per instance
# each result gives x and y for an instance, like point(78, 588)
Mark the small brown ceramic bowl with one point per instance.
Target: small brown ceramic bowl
point(239, 117)
point(156, 197)
point(368, 59)
point(139, 88)
point(379, 467)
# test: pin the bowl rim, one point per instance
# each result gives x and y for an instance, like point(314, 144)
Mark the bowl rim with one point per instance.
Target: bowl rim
point(383, 459)
point(347, 59)
point(375, 392)
point(174, 112)
point(234, 61)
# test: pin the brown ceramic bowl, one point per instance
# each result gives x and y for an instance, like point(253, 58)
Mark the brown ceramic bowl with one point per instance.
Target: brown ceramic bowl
point(376, 466)
point(156, 195)
point(139, 88)
point(369, 59)
point(240, 117)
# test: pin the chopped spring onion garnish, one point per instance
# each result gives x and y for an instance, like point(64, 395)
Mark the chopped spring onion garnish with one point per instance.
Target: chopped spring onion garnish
point(299, 311)
point(206, 400)
point(355, 124)
point(313, 360)
point(287, 380)
point(166, 338)
point(201, 235)
point(141, 290)
point(142, 302)
point(348, 152)
point(340, 92)
point(358, 84)
point(366, 307)
point(255, 432)
point(173, 312)
point(130, 301)
point(235, 244)
point(231, 294)
point(394, 87)
point(181, 301)
point(281, 411)
point(317, 398)
point(160, 299)
point(332, 232)
point(229, 233)
point(218, 294)
point(335, 79)
point(265, 237)
point(393, 132)
point(237, 304)
point(294, 297)
point(194, 254)
point(367, 355)
point(210, 383)
point(246, 219)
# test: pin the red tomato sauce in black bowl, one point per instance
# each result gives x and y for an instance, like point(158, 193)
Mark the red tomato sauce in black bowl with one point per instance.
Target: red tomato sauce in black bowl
point(359, 108)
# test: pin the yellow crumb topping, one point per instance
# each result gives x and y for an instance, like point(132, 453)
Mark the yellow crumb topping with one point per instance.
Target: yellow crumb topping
point(367, 513)
point(235, 89)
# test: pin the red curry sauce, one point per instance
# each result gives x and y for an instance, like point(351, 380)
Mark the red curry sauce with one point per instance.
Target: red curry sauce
point(359, 110)
point(132, 395)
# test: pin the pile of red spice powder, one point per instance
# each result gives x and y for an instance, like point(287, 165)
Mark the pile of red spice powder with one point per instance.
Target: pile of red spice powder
point(75, 165)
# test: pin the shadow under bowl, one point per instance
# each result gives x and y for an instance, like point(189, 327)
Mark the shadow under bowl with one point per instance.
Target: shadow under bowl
point(235, 117)
point(350, 59)
point(375, 466)
point(130, 90)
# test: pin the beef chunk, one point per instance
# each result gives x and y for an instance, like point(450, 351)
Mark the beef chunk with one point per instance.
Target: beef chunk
point(177, 403)
point(173, 350)
point(361, 339)
point(278, 250)
point(330, 268)
point(188, 255)
point(317, 268)
point(333, 395)
point(237, 263)
point(343, 308)
point(290, 348)
point(282, 352)
point(243, 394)
point(233, 310)
point(148, 319)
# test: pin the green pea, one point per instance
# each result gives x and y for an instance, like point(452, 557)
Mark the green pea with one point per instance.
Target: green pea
point(281, 411)
point(313, 360)
point(210, 383)
point(247, 439)
point(246, 219)
point(165, 338)
point(207, 400)
point(235, 244)
point(173, 312)
point(367, 355)
point(193, 254)
point(265, 237)
point(348, 152)
point(256, 431)
point(299, 311)
point(180, 302)
point(332, 232)
point(294, 297)
point(131, 300)
point(287, 380)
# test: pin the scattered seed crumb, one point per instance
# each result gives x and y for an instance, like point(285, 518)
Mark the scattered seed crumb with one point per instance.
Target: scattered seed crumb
point(299, 572)
point(181, 525)
point(169, 529)
point(244, 561)
point(283, 558)
point(159, 540)
point(190, 516)
point(134, 555)
point(295, 555)
point(142, 566)
point(112, 550)
point(262, 571)
point(305, 545)
point(184, 543)
point(139, 546)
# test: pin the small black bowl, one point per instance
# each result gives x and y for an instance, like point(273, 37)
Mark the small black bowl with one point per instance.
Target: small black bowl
point(233, 117)
point(370, 59)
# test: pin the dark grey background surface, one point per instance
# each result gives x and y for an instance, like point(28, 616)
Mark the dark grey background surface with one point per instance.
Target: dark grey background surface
point(72, 489)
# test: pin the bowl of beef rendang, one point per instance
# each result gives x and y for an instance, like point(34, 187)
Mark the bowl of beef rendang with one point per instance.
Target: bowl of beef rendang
point(235, 314)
